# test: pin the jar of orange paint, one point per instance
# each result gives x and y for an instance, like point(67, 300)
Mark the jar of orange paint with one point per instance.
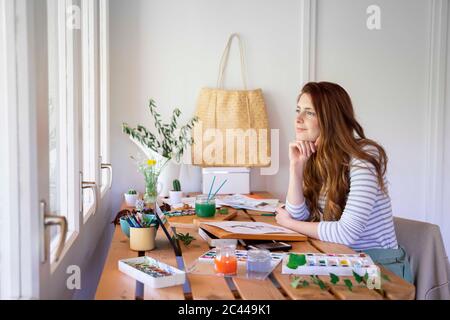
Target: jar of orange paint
point(225, 262)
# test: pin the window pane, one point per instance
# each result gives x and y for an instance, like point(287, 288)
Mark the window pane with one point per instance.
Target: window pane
point(90, 97)
point(57, 121)
point(104, 87)
point(53, 115)
point(53, 159)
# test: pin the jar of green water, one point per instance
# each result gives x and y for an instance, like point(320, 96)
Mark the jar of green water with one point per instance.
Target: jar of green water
point(205, 207)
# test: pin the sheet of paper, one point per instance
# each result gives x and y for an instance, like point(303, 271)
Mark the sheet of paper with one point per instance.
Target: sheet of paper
point(244, 202)
point(236, 201)
point(245, 227)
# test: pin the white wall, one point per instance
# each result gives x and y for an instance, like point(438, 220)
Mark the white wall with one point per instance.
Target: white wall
point(168, 50)
point(445, 222)
point(3, 142)
point(385, 73)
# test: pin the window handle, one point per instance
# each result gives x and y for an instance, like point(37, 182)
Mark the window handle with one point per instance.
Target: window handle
point(110, 173)
point(48, 220)
point(93, 187)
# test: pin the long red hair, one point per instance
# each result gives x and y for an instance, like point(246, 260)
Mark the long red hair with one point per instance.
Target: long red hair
point(341, 138)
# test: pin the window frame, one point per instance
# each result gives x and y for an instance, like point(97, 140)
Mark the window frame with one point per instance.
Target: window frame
point(104, 95)
point(10, 277)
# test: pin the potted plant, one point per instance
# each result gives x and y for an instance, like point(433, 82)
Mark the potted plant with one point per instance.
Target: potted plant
point(176, 194)
point(130, 197)
point(167, 144)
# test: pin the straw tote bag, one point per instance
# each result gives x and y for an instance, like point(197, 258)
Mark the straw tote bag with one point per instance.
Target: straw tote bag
point(233, 128)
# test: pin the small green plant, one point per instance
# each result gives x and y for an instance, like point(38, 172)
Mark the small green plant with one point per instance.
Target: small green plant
point(131, 191)
point(185, 238)
point(176, 185)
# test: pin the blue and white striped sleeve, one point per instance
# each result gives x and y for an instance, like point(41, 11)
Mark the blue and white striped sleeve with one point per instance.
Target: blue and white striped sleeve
point(360, 202)
point(298, 212)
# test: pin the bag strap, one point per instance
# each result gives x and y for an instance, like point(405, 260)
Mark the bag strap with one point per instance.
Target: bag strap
point(224, 61)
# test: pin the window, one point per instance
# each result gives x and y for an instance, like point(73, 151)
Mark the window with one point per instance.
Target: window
point(61, 125)
point(41, 102)
point(90, 104)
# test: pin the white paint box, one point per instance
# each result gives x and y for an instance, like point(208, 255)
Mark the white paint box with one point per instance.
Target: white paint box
point(238, 180)
point(176, 277)
point(325, 263)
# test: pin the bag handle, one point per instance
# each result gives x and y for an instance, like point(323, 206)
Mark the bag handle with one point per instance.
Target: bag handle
point(224, 61)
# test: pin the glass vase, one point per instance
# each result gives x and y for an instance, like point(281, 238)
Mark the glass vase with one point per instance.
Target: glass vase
point(151, 190)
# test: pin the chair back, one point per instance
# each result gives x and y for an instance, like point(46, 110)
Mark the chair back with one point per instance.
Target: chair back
point(427, 257)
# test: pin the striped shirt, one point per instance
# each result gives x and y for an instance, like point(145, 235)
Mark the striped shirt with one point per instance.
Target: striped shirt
point(367, 221)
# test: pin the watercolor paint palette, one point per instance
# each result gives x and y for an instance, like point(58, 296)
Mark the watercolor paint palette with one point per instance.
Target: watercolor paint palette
point(180, 213)
point(152, 272)
point(324, 264)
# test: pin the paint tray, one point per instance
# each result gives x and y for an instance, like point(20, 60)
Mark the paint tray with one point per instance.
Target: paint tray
point(152, 272)
point(326, 263)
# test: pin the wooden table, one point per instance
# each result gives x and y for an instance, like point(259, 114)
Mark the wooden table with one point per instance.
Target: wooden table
point(116, 285)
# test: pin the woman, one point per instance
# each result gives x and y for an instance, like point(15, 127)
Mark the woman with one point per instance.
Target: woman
point(337, 185)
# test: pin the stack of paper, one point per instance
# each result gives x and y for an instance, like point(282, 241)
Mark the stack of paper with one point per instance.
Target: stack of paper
point(247, 227)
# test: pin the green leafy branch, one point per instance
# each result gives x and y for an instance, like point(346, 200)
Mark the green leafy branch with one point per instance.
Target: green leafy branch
point(299, 281)
point(166, 142)
point(185, 238)
point(334, 279)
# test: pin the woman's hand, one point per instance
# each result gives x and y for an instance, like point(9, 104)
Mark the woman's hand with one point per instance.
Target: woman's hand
point(283, 218)
point(299, 153)
point(309, 229)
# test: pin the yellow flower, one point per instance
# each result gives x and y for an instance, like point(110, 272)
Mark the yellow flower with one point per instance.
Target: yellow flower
point(151, 162)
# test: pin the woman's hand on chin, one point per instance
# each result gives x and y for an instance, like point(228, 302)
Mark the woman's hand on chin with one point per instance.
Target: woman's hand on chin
point(299, 153)
point(283, 218)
